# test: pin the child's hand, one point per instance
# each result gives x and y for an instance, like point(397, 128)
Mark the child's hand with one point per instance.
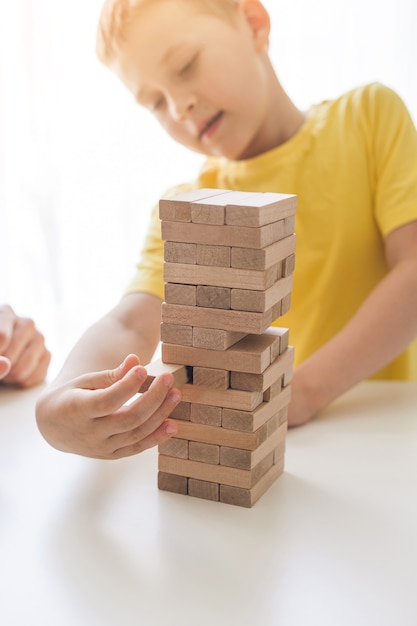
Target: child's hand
point(24, 358)
point(88, 415)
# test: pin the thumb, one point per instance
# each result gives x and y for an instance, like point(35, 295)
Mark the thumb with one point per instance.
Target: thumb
point(7, 322)
point(106, 378)
point(5, 366)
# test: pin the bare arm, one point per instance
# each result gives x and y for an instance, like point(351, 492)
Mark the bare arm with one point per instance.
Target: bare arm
point(381, 329)
point(84, 410)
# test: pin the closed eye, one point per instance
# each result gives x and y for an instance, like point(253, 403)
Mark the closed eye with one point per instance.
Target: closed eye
point(185, 69)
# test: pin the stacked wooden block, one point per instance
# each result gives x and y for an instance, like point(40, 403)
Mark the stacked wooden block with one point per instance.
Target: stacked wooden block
point(228, 264)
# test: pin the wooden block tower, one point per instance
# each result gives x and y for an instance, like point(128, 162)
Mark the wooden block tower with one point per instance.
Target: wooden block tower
point(228, 265)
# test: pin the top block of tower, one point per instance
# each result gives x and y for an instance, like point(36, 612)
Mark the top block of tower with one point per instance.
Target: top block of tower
point(222, 207)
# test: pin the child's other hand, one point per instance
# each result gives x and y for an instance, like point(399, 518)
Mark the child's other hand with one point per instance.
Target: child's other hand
point(24, 358)
point(89, 415)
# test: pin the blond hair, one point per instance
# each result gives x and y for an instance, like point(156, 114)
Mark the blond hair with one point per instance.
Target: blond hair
point(117, 15)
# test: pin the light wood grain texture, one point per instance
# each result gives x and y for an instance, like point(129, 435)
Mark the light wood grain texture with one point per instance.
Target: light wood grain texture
point(260, 382)
point(260, 301)
point(252, 354)
point(184, 273)
point(178, 207)
point(206, 415)
point(248, 497)
point(211, 377)
point(246, 459)
point(174, 447)
point(219, 256)
point(203, 489)
point(173, 483)
point(176, 293)
point(213, 297)
point(180, 252)
point(157, 367)
point(249, 258)
point(177, 334)
point(250, 421)
point(215, 338)
point(204, 452)
point(230, 398)
point(240, 321)
point(259, 209)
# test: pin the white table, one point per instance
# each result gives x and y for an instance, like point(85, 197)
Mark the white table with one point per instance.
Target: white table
point(332, 543)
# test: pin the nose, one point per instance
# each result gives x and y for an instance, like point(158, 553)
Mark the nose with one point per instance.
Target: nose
point(181, 106)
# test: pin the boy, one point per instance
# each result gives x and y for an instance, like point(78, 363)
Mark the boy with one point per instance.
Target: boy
point(24, 359)
point(202, 68)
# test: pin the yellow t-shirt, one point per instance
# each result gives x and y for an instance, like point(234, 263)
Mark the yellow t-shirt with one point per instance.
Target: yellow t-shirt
point(353, 166)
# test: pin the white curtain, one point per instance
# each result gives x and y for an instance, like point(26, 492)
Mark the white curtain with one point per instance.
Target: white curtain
point(81, 166)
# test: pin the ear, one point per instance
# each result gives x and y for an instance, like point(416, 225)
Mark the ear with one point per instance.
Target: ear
point(257, 17)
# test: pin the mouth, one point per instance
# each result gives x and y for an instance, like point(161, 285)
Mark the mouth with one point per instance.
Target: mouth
point(209, 127)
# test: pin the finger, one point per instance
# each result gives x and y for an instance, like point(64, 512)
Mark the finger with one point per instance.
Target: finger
point(165, 431)
point(143, 407)
point(38, 374)
point(107, 378)
point(23, 333)
point(100, 403)
point(31, 362)
point(7, 322)
point(5, 367)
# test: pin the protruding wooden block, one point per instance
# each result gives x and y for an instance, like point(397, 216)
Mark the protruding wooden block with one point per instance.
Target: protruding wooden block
point(156, 368)
point(250, 421)
point(230, 398)
point(288, 265)
point(252, 354)
point(215, 338)
point(248, 258)
point(261, 382)
point(260, 301)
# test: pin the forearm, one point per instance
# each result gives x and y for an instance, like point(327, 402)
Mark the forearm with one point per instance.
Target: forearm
point(381, 329)
point(131, 327)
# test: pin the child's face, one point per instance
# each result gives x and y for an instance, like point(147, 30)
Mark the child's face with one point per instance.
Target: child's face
point(203, 76)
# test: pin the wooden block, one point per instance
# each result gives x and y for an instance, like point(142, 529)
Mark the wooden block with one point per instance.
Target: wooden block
point(259, 209)
point(282, 335)
point(230, 398)
point(178, 207)
point(215, 338)
point(260, 301)
point(215, 473)
point(177, 334)
point(229, 277)
point(204, 452)
point(203, 414)
point(248, 258)
point(180, 294)
point(250, 354)
point(212, 210)
point(261, 382)
point(211, 377)
point(240, 321)
point(247, 459)
point(203, 489)
point(288, 265)
point(248, 497)
point(250, 421)
point(285, 304)
point(174, 447)
point(182, 411)
point(274, 390)
point(218, 256)
point(173, 483)
point(157, 367)
point(180, 252)
point(224, 437)
point(213, 297)
point(209, 234)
